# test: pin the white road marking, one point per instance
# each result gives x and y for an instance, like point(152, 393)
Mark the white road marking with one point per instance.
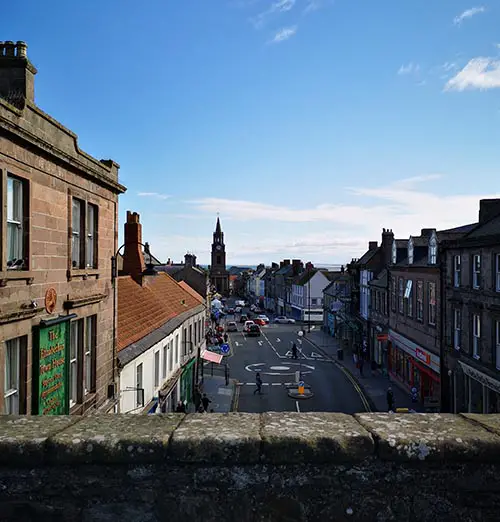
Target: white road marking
point(276, 384)
point(281, 368)
point(272, 346)
point(266, 384)
point(314, 354)
point(236, 343)
point(297, 406)
point(278, 340)
point(260, 343)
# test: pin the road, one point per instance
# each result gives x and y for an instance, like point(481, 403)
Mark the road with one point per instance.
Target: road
point(270, 354)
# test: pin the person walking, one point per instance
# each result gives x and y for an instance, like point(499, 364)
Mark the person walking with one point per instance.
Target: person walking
point(258, 382)
point(294, 351)
point(226, 337)
point(390, 399)
point(205, 401)
point(181, 407)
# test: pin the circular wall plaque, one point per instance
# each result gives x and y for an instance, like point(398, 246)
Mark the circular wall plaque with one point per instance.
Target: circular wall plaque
point(50, 300)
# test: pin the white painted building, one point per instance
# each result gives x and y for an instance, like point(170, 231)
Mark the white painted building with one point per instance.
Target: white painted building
point(306, 297)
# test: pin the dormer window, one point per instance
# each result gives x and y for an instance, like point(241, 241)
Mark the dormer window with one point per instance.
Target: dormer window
point(394, 252)
point(410, 251)
point(433, 250)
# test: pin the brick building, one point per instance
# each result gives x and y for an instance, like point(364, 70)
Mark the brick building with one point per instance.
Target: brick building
point(471, 340)
point(59, 232)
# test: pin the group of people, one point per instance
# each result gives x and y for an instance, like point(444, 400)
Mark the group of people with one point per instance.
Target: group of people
point(216, 336)
point(203, 406)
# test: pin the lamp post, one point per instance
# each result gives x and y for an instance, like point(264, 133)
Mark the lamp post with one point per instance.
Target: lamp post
point(301, 334)
point(309, 303)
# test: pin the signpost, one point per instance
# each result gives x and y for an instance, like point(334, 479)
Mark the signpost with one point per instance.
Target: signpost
point(51, 371)
point(224, 348)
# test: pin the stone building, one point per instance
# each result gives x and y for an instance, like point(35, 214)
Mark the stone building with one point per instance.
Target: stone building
point(190, 272)
point(59, 232)
point(471, 339)
point(219, 276)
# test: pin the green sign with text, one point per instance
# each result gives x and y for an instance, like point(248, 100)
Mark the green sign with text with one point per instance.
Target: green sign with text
point(52, 365)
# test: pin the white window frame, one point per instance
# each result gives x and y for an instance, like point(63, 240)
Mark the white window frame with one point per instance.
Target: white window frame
point(164, 368)
point(84, 234)
point(476, 271)
point(420, 302)
point(74, 352)
point(91, 233)
point(497, 344)
point(401, 301)
point(432, 307)
point(457, 328)
point(476, 335)
point(15, 218)
point(171, 363)
point(409, 297)
point(457, 271)
point(156, 368)
point(432, 250)
point(77, 210)
point(410, 251)
point(90, 354)
point(394, 253)
point(176, 357)
point(139, 384)
point(497, 273)
point(12, 376)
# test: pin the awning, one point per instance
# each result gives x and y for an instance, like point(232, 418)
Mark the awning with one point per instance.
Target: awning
point(211, 356)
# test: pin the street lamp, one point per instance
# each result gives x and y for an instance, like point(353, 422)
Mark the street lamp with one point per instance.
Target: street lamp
point(301, 334)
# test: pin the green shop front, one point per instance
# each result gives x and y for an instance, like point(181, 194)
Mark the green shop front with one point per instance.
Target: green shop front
point(51, 366)
point(188, 382)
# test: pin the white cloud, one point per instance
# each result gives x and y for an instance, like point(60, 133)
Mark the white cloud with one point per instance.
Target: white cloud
point(280, 6)
point(312, 5)
point(410, 68)
point(468, 13)
point(155, 195)
point(479, 73)
point(284, 34)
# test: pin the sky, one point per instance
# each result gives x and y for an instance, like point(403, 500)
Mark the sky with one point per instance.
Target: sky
point(308, 125)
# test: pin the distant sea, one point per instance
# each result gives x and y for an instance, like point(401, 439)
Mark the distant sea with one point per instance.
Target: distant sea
point(332, 268)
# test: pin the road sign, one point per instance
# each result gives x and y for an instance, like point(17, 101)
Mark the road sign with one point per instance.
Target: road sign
point(224, 348)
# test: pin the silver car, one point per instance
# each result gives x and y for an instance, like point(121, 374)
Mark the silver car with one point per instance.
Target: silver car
point(281, 319)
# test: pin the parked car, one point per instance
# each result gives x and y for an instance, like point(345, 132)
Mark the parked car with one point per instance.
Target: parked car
point(253, 330)
point(243, 318)
point(264, 318)
point(231, 327)
point(258, 321)
point(281, 319)
point(247, 325)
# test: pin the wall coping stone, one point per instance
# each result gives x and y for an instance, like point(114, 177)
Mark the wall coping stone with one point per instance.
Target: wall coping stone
point(232, 439)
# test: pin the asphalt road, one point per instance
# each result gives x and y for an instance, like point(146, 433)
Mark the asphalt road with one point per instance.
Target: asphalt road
point(270, 354)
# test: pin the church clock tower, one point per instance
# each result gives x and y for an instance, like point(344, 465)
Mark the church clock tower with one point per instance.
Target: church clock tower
point(219, 276)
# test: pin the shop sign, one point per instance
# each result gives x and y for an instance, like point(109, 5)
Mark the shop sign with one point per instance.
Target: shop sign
point(51, 370)
point(423, 356)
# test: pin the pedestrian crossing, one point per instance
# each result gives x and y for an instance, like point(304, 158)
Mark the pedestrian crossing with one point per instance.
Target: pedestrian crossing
point(265, 384)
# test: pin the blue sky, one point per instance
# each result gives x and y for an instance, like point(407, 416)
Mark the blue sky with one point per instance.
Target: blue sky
point(308, 125)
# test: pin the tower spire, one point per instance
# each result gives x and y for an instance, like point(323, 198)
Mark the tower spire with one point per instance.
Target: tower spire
point(218, 229)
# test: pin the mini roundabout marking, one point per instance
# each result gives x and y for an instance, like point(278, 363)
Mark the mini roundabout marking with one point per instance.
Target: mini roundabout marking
point(289, 369)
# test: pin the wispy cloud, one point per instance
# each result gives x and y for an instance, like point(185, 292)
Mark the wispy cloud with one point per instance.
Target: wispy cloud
point(410, 68)
point(479, 73)
point(280, 6)
point(155, 195)
point(284, 34)
point(468, 13)
point(312, 5)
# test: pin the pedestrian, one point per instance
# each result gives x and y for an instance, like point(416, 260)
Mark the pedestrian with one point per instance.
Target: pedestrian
point(201, 409)
point(181, 408)
point(205, 401)
point(258, 382)
point(361, 362)
point(226, 337)
point(390, 399)
point(294, 351)
point(355, 359)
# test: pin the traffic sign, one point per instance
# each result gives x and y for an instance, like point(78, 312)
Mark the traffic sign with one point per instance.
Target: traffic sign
point(224, 348)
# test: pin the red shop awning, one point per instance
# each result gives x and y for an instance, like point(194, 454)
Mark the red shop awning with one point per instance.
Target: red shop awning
point(211, 356)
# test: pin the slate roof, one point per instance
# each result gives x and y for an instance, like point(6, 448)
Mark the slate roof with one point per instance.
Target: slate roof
point(367, 256)
point(143, 309)
point(303, 278)
point(192, 291)
point(284, 270)
point(381, 280)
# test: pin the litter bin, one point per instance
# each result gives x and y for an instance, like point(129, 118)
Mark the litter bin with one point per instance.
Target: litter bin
point(340, 354)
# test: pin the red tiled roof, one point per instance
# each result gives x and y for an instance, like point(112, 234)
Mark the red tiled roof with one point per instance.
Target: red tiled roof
point(143, 309)
point(192, 291)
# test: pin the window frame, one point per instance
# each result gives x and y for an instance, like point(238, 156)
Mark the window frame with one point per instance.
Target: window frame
point(20, 344)
point(156, 368)
point(432, 308)
point(87, 240)
point(432, 250)
point(401, 302)
point(75, 372)
point(393, 294)
point(90, 355)
point(457, 328)
point(410, 251)
point(476, 335)
point(409, 297)
point(394, 252)
point(164, 362)
point(139, 385)
point(457, 270)
point(420, 301)
point(497, 272)
point(476, 273)
point(497, 344)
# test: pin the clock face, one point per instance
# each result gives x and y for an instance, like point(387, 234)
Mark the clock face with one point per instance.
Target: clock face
point(218, 247)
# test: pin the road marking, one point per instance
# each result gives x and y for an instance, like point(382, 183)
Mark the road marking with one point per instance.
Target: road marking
point(236, 343)
point(314, 354)
point(260, 343)
point(265, 384)
point(278, 340)
point(276, 384)
point(297, 406)
point(272, 346)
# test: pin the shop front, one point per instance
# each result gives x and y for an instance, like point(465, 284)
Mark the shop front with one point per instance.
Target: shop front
point(281, 306)
point(413, 366)
point(475, 391)
point(188, 382)
point(379, 341)
point(330, 323)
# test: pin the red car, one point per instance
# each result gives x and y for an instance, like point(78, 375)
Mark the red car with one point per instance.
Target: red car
point(259, 321)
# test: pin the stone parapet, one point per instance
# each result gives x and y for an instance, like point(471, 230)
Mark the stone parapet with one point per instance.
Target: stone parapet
point(245, 467)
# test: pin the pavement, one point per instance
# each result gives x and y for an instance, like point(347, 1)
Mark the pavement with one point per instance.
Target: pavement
point(217, 391)
point(334, 390)
point(373, 384)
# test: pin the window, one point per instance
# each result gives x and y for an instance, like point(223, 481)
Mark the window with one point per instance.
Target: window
point(189, 348)
point(83, 234)
point(313, 300)
point(393, 294)
point(476, 335)
point(409, 298)
point(497, 272)
point(75, 348)
point(90, 353)
point(410, 251)
point(457, 274)
point(164, 368)
point(170, 356)
point(157, 369)
point(13, 377)
point(138, 385)
point(176, 359)
point(394, 253)
point(476, 271)
point(420, 300)
point(457, 328)
point(431, 291)
point(497, 344)
point(433, 250)
point(16, 224)
point(400, 295)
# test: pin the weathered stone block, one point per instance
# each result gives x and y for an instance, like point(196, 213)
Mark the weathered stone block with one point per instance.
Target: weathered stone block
point(218, 438)
point(430, 437)
point(115, 439)
point(314, 437)
point(490, 422)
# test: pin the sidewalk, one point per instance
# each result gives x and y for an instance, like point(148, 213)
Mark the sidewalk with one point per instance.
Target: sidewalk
point(217, 391)
point(373, 384)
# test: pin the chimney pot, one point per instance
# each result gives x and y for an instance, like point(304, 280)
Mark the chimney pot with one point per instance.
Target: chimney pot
point(10, 48)
point(22, 49)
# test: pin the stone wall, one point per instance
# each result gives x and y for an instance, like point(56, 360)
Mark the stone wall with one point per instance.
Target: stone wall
point(246, 467)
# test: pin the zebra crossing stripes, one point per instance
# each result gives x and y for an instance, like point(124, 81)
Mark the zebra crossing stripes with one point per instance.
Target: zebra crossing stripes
point(265, 384)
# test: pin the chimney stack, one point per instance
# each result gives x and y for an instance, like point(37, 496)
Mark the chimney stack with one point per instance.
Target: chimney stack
point(386, 245)
point(190, 260)
point(17, 74)
point(372, 245)
point(488, 209)
point(133, 258)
